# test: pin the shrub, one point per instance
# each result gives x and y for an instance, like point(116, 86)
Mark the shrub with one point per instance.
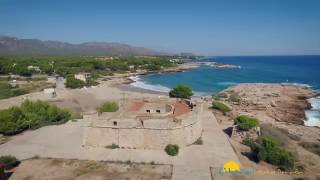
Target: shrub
point(280, 135)
point(74, 83)
point(234, 98)
point(172, 149)
point(249, 142)
point(91, 82)
point(220, 106)
point(153, 67)
point(113, 146)
point(181, 91)
point(266, 149)
point(9, 161)
point(31, 115)
point(246, 122)
point(108, 107)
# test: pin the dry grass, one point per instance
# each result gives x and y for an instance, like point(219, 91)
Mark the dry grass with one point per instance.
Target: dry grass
point(81, 169)
point(281, 137)
point(313, 147)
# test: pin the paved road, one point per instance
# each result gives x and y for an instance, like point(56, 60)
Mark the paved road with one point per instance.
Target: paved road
point(195, 161)
point(65, 141)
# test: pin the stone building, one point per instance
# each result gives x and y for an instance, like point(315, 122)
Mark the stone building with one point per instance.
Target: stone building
point(146, 124)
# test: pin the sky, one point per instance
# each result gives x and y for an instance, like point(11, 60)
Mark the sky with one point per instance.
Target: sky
point(204, 27)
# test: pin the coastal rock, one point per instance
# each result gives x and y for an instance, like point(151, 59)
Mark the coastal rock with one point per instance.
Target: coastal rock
point(282, 104)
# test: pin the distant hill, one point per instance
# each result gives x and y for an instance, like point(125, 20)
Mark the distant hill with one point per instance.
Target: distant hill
point(15, 46)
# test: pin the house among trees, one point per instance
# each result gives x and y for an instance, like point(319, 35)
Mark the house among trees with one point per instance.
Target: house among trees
point(83, 76)
point(34, 68)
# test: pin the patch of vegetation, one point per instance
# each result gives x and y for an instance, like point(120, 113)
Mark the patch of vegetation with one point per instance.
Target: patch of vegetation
point(6, 90)
point(220, 106)
point(72, 65)
point(281, 136)
point(31, 115)
point(181, 91)
point(234, 98)
point(172, 149)
point(74, 83)
point(9, 162)
point(266, 149)
point(108, 107)
point(113, 146)
point(246, 122)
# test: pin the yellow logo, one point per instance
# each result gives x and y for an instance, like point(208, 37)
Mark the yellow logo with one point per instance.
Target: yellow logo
point(231, 166)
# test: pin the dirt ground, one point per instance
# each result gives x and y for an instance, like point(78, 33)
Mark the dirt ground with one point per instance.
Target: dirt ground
point(61, 169)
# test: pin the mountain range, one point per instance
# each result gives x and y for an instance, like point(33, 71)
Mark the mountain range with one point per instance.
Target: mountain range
point(16, 46)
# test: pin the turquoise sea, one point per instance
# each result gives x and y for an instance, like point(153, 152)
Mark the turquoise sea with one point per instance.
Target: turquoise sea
point(206, 80)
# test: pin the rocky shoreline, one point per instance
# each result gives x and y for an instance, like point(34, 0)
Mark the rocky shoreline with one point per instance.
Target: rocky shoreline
point(220, 65)
point(282, 105)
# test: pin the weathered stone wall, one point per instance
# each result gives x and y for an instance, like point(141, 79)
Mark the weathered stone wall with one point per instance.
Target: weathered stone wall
point(143, 137)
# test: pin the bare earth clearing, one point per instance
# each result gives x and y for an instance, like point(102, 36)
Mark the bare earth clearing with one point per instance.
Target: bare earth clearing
point(39, 169)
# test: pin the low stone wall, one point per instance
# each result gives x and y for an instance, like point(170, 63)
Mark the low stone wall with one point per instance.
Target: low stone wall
point(141, 138)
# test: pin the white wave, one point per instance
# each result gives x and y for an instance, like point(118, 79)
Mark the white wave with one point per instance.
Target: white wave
point(313, 115)
point(157, 87)
point(140, 84)
point(297, 84)
point(226, 83)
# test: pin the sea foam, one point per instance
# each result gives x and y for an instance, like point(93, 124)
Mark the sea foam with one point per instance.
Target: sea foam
point(226, 83)
point(313, 115)
point(140, 84)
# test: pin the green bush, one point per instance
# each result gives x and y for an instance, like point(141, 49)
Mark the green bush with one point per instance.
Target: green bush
point(249, 142)
point(74, 83)
point(220, 106)
point(246, 122)
point(113, 146)
point(9, 161)
point(266, 149)
point(31, 115)
point(108, 107)
point(172, 149)
point(181, 91)
point(91, 82)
